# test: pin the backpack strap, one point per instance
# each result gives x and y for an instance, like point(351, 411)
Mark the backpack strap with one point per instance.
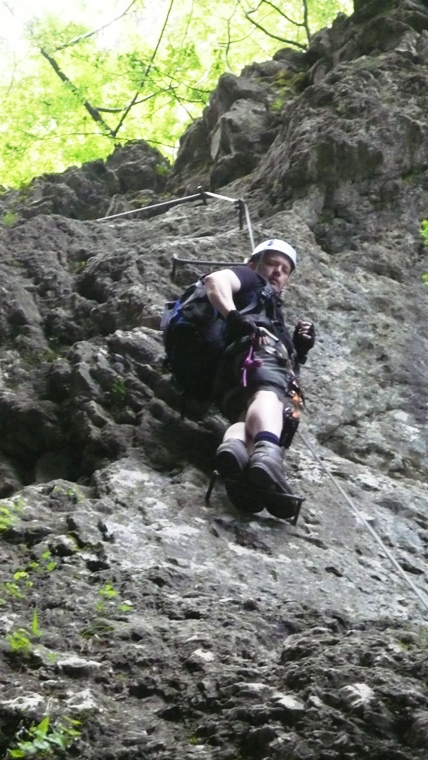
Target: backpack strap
point(172, 308)
point(259, 299)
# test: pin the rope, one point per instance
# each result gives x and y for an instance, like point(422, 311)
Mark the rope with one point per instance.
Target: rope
point(249, 226)
point(422, 598)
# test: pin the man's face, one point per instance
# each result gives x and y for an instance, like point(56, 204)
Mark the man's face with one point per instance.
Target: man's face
point(275, 268)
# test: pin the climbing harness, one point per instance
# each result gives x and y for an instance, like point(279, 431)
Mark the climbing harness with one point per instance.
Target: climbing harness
point(422, 598)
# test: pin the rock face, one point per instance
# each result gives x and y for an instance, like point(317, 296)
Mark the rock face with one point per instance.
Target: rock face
point(169, 627)
point(130, 178)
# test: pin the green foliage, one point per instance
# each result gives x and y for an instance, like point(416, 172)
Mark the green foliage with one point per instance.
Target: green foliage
point(9, 219)
point(35, 628)
point(11, 589)
point(50, 564)
point(125, 607)
point(119, 387)
point(75, 95)
point(108, 590)
point(161, 170)
point(46, 740)
point(97, 629)
point(9, 510)
point(17, 587)
point(109, 593)
point(20, 642)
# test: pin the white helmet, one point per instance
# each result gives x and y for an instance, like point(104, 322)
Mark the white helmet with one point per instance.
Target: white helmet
point(279, 246)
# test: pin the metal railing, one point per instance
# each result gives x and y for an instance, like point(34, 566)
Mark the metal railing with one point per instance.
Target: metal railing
point(201, 195)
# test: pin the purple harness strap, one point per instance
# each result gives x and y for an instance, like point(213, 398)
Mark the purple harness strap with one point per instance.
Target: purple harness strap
point(249, 363)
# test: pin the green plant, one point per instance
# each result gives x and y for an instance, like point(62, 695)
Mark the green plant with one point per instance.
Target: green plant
point(125, 607)
point(9, 218)
point(19, 641)
point(12, 589)
point(15, 588)
point(8, 513)
point(97, 629)
point(161, 170)
point(50, 564)
point(108, 590)
point(35, 628)
point(47, 563)
point(44, 740)
point(76, 266)
point(277, 104)
point(118, 387)
point(50, 355)
point(70, 493)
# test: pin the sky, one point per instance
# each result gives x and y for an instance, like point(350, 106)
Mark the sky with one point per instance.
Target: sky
point(15, 14)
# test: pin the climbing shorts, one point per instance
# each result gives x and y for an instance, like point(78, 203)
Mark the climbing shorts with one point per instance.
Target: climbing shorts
point(270, 371)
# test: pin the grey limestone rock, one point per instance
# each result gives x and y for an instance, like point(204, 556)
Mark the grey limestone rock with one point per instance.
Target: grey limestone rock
point(168, 626)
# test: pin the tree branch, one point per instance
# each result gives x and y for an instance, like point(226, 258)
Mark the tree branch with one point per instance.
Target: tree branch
point(146, 73)
point(137, 102)
point(277, 10)
point(306, 19)
point(86, 36)
point(274, 36)
point(93, 112)
point(229, 39)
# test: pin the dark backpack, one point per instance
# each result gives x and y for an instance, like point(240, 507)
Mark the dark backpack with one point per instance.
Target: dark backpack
point(195, 339)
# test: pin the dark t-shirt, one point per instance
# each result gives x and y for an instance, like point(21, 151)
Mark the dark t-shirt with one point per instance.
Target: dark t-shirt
point(252, 284)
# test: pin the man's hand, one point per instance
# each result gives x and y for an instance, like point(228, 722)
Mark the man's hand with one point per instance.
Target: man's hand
point(240, 326)
point(303, 338)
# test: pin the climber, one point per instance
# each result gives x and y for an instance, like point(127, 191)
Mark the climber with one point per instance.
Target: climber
point(256, 385)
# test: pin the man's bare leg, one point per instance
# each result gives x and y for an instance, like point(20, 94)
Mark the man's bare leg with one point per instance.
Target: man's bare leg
point(264, 414)
point(237, 430)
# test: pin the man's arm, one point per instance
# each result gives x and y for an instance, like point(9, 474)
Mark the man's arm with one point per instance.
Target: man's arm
point(220, 287)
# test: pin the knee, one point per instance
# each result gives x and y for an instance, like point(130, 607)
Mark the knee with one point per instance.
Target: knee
point(265, 396)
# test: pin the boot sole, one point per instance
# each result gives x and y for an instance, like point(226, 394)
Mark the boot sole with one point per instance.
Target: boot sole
point(282, 506)
point(237, 486)
point(228, 465)
point(260, 476)
point(237, 493)
point(278, 502)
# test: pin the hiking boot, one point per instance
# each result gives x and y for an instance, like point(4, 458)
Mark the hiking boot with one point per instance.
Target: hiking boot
point(231, 462)
point(283, 505)
point(231, 458)
point(266, 469)
point(266, 473)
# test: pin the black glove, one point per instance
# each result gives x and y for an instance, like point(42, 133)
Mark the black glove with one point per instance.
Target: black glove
point(240, 326)
point(303, 339)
